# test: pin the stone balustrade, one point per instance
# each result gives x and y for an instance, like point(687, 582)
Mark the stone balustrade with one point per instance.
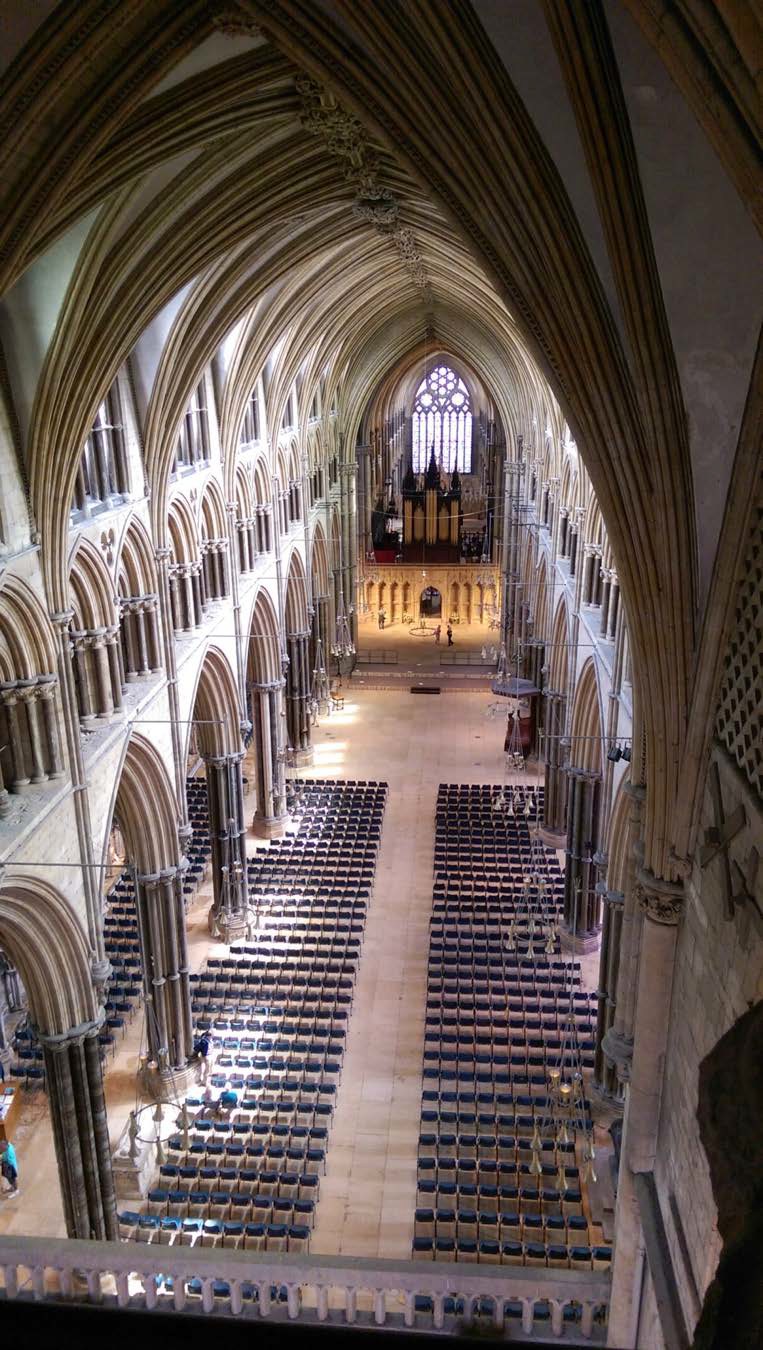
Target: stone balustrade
point(340, 1290)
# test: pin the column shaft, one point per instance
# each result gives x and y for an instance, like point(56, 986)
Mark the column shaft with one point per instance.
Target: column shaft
point(80, 1133)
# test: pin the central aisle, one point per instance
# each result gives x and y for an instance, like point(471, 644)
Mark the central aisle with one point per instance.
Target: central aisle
point(414, 742)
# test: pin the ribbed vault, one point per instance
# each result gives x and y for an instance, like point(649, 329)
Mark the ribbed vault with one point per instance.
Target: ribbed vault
point(339, 240)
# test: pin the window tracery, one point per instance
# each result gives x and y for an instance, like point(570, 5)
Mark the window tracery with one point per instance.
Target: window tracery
point(442, 420)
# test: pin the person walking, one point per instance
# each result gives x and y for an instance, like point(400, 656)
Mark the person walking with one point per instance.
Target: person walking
point(10, 1167)
point(437, 632)
point(450, 635)
point(382, 618)
point(201, 1053)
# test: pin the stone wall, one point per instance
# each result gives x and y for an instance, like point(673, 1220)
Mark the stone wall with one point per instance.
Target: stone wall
point(719, 973)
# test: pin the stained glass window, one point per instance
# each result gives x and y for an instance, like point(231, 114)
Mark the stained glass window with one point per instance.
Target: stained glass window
point(442, 418)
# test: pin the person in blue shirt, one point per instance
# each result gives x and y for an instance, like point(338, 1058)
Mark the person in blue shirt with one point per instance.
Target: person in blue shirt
point(9, 1166)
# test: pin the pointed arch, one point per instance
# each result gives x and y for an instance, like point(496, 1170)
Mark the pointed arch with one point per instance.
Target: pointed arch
point(45, 940)
point(146, 809)
point(296, 596)
point(182, 531)
point(91, 588)
point(135, 566)
point(212, 512)
point(264, 647)
point(559, 659)
point(244, 497)
point(27, 644)
point(616, 846)
point(261, 481)
point(539, 602)
point(215, 705)
point(319, 562)
point(587, 726)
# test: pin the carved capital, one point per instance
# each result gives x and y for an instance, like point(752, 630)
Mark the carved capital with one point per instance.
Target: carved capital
point(659, 900)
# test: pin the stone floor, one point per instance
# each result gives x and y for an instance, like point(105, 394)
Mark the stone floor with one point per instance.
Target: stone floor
point(415, 650)
point(368, 1194)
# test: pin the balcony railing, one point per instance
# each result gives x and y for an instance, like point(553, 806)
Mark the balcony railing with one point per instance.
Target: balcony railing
point(415, 1295)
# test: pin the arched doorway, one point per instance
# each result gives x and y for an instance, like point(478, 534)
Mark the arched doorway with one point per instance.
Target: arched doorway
point(430, 603)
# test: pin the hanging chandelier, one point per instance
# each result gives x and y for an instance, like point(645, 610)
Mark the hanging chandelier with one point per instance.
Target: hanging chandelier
point(567, 1119)
point(343, 646)
point(319, 702)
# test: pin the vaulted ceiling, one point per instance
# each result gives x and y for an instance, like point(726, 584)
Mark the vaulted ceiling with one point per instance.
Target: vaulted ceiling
point(328, 180)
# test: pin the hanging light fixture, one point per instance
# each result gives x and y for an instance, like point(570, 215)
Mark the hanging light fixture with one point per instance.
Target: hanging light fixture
point(567, 1118)
point(319, 702)
point(343, 646)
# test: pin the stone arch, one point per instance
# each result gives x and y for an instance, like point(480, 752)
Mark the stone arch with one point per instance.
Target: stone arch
point(145, 806)
point(217, 724)
point(244, 498)
point(215, 704)
point(136, 566)
point(296, 595)
point(212, 512)
point(45, 940)
point(298, 674)
point(182, 532)
point(30, 740)
point(137, 593)
point(213, 533)
point(617, 844)
point(582, 902)
point(587, 725)
point(540, 601)
point(559, 662)
point(27, 645)
point(91, 588)
point(261, 481)
point(147, 812)
point(265, 685)
point(319, 562)
point(264, 647)
point(94, 631)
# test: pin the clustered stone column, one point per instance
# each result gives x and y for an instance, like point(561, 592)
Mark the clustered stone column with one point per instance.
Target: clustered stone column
point(186, 598)
point(80, 1131)
point(167, 610)
point(266, 706)
point(591, 591)
point(298, 694)
point(214, 560)
point(605, 1074)
point(139, 633)
point(322, 624)
point(365, 498)
point(264, 527)
point(98, 675)
point(227, 832)
point(617, 1034)
point(246, 533)
point(579, 872)
point(164, 950)
point(610, 604)
point(661, 904)
point(30, 733)
point(555, 780)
